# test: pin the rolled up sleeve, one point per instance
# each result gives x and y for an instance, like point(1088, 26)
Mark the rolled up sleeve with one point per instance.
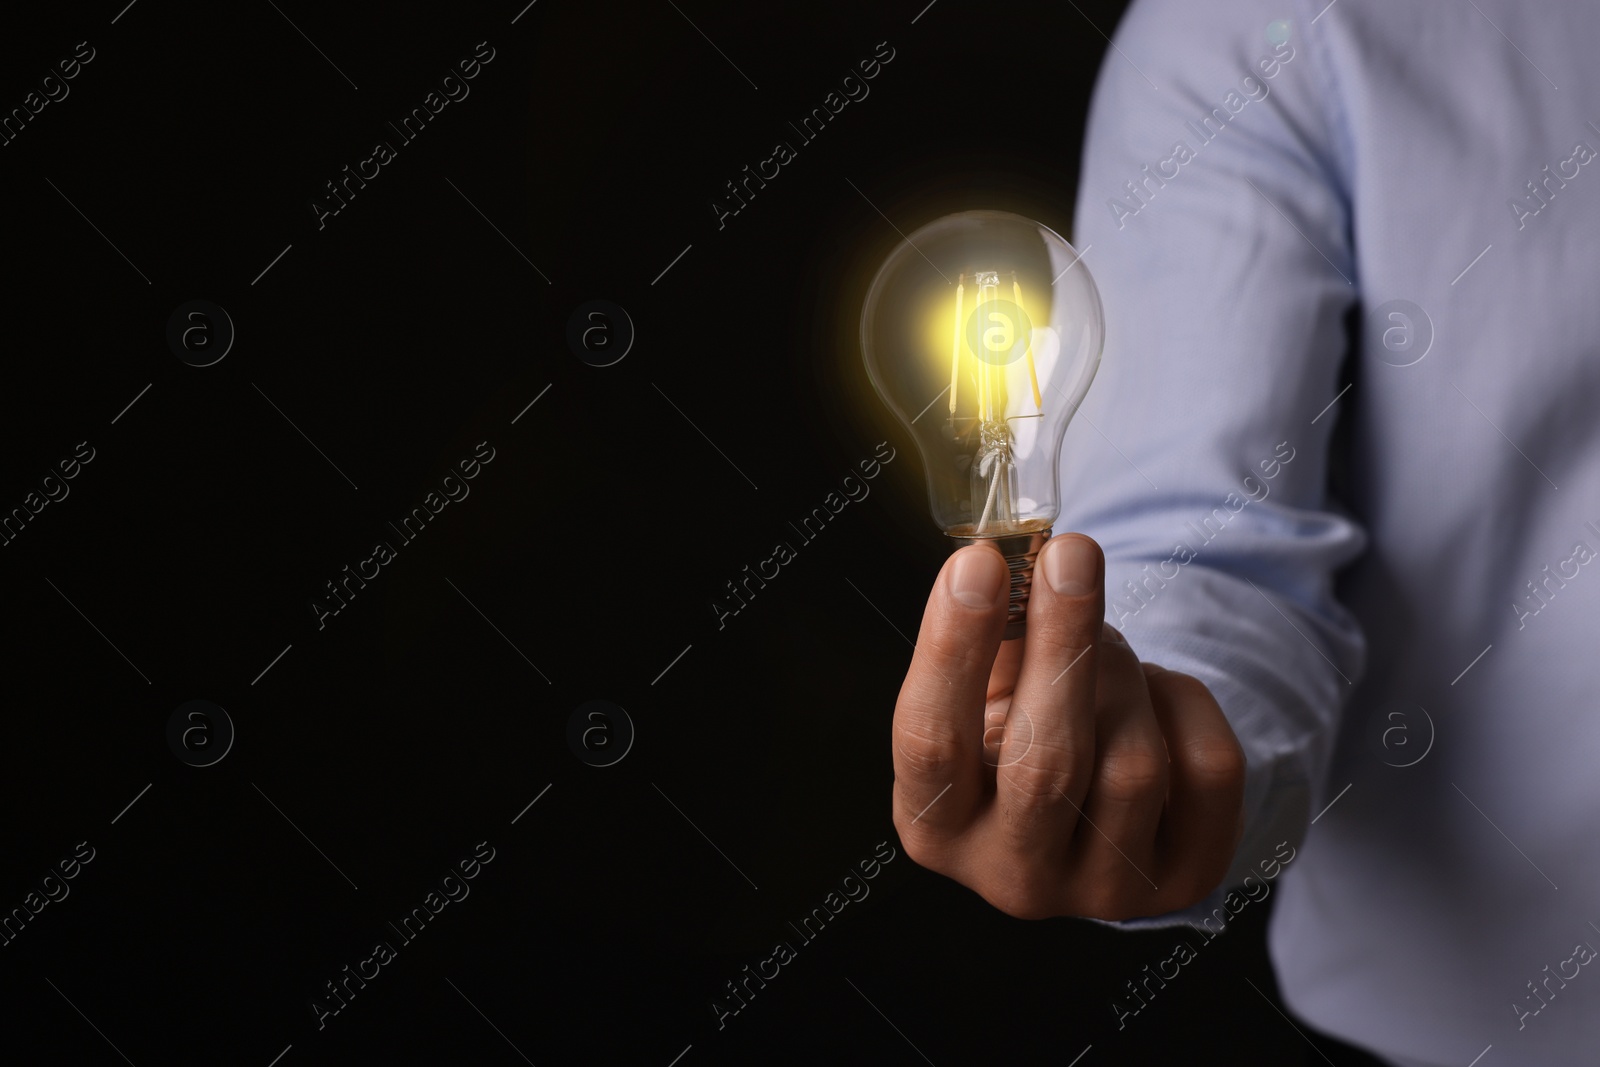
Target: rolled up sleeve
point(1213, 217)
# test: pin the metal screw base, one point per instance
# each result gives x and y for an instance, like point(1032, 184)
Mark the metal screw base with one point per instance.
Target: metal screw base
point(1020, 550)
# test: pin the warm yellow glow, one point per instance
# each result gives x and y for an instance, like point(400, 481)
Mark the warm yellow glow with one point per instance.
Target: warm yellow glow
point(981, 381)
point(1033, 375)
point(991, 400)
point(955, 345)
point(980, 366)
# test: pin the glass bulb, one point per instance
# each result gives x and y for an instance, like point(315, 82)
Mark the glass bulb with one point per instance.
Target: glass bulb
point(982, 332)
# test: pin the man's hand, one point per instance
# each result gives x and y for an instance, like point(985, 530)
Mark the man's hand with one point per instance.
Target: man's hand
point(1055, 774)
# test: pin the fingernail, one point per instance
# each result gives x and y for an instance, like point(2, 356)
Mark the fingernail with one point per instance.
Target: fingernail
point(977, 577)
point(1070, 566)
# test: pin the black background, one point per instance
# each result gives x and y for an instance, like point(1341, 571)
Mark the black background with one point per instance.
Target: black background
point(425, 716)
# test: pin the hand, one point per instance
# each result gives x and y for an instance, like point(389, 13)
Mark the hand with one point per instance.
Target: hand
point(1091, 784)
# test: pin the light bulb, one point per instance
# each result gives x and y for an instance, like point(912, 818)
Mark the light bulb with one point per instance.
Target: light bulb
point(982, 332)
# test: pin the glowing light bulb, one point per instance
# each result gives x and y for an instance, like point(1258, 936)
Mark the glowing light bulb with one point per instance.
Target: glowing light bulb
point(982, 332)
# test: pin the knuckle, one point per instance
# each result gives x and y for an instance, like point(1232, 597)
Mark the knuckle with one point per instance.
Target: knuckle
point(1069, 628)
point(1119, 666)
point(954, 650)
point(1215, 763)
point(1131, 776)
point(1037, 779)
point(1182, 689)
point(1033, 806)
point(1023, 820)
point(928, 747)
point(1037, 792)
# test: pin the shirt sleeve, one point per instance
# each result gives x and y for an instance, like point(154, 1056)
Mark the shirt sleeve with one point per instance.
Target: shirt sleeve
point(1212, 213)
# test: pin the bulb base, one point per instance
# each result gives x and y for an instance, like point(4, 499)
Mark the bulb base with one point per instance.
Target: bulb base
point(1020, 550)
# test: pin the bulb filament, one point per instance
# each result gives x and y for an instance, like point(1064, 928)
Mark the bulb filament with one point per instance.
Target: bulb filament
point(991, 339)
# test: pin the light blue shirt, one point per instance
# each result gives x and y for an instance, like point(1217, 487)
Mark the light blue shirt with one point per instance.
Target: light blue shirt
point(1383, 566)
